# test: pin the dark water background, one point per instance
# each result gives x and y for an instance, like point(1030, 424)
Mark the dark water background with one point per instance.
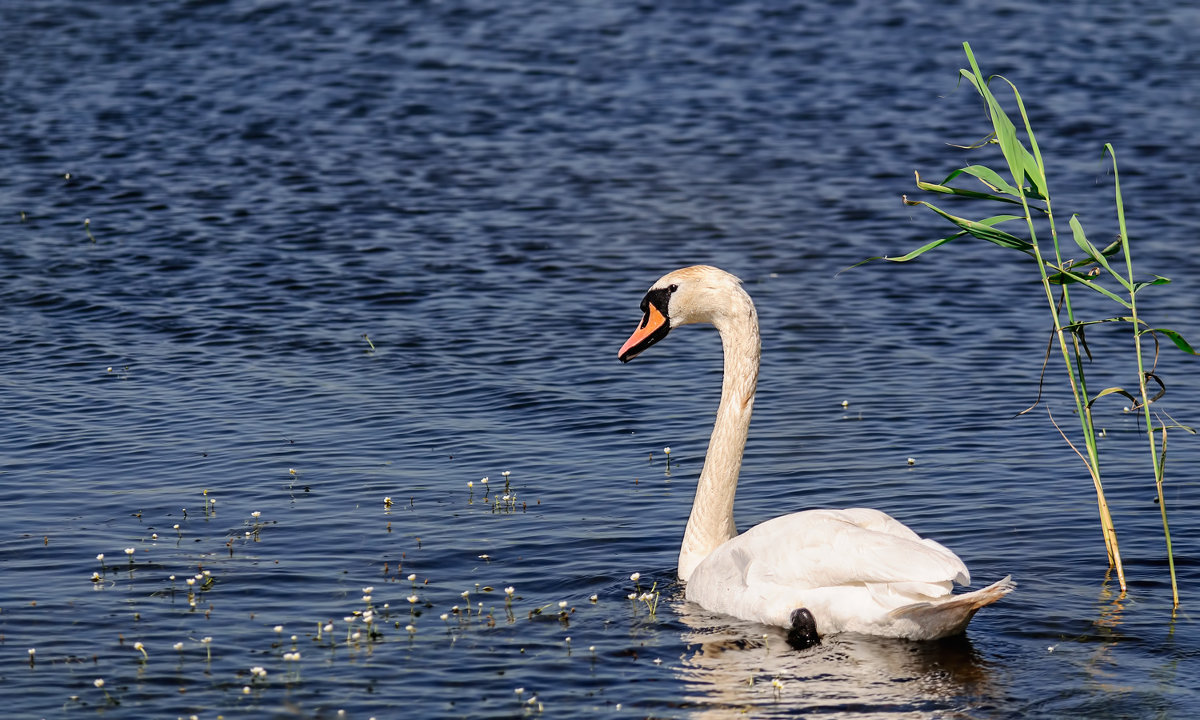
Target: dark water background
point(204, 206)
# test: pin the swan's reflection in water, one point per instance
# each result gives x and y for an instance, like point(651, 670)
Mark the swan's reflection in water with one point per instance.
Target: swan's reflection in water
point(729, 667)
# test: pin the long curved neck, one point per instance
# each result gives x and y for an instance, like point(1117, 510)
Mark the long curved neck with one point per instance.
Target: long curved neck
point(711, 521)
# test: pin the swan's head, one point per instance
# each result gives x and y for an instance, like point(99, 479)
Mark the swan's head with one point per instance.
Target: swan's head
point(695, 294)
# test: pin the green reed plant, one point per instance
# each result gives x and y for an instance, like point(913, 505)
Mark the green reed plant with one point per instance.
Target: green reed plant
point(1107, 271)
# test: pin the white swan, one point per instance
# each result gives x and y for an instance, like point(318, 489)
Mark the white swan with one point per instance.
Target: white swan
point(816, 572)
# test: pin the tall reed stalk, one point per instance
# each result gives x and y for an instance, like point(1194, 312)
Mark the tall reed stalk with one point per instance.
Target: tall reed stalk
point(1026, 187)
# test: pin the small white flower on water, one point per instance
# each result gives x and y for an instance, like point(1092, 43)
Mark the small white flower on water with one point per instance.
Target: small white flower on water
point(412, 577)
point(128, 551)
point(567, 639)
point(366, 598)
point(410, 628)
point(509, 590)
point(153, 536)
point(247, 533)
point(356, 636)
point(190, 581)
point(519, 691)
point(594, 597)
point(470, 483)
point(368, 590)
point(292, 471)
point(33, 651)
point(207, 573)
point(485, 557)
point(506, 473)
point(562, 603)
point(413, 599)
point(466, 593)
point(631, 596)
point(367, 615)
point(912, 461)
point(139, 646)
point(445, 616)
point(177, 646)
point(100, 557)
point(255, 514)
point(328, 627)
point(506, 498)
point(845, 403)
point(206, 640)
point(777, 684)
point(667, 450)
point(95, 576)
point(635, 577)
point(591, 648)
point(658, 661)
point(483, 481)
point(98, 682)
point(171, 578)
point(175, 526)
point(245, 689)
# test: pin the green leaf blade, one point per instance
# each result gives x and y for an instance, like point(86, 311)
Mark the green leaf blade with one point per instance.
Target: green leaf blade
point(1093, 253)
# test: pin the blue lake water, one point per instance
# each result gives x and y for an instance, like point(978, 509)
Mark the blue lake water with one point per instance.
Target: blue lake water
point(297, 258)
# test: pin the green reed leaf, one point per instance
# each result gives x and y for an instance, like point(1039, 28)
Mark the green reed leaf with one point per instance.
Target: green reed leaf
point(1096, 256)
point(983, 229)
point(1113, 390)
point(1158, 280)
point(1175, 338)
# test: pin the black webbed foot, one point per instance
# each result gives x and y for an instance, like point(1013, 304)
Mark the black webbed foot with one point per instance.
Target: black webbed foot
point(803, 632)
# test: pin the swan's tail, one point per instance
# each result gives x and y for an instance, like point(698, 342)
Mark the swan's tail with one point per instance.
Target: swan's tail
point(950, 615)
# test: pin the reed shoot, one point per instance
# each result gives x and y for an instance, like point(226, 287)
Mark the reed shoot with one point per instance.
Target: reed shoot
point(1021, 188)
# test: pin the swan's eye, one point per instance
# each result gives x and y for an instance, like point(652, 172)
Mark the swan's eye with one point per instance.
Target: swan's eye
point(673, 288)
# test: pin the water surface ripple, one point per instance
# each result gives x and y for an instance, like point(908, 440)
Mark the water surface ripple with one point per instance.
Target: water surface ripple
point(331, 263)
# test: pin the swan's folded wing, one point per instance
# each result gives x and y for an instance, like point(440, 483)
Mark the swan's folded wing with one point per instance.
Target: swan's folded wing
point(827, 548)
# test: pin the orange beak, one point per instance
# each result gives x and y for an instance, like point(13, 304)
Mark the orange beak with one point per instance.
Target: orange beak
point(654, 327)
